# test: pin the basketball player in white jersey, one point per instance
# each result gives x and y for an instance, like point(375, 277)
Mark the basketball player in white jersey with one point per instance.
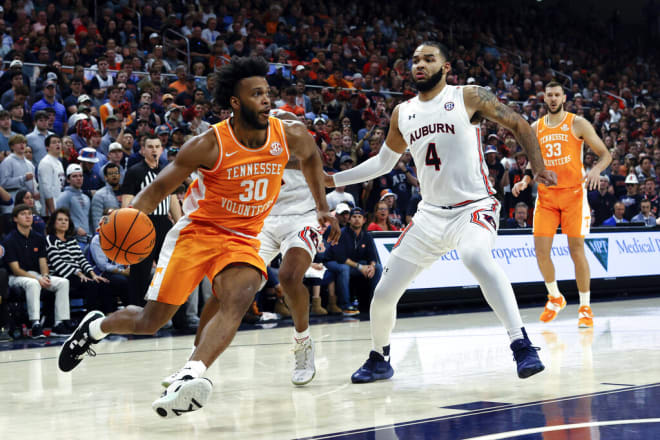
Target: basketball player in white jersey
point(291, 228)
point(457, 211)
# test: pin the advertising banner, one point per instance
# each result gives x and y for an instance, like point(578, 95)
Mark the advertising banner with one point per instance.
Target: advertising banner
point(610, 255)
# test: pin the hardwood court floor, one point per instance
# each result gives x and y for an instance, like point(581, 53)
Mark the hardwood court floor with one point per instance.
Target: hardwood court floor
point(454, 378)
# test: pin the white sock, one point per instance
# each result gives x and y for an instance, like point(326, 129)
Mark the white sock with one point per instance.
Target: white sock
point(553, 290)
point(515, 334)
point(300, 337)
point(584, 298)
point(95, 329)
point(197, 368)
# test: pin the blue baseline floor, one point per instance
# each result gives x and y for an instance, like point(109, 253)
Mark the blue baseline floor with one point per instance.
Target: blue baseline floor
point(630, 404)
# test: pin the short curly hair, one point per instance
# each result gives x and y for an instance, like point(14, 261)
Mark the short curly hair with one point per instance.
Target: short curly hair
point(231, 74)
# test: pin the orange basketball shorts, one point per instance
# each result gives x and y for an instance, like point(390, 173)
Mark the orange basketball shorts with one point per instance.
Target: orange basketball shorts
point(567, 207)
point(193, 250)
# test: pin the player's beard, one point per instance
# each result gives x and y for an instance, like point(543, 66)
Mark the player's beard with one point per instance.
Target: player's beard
point(559, 109)
point(252, 118)
point(428, 84)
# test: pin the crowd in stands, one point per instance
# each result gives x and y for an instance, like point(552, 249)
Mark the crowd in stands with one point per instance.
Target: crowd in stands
point(93, 107)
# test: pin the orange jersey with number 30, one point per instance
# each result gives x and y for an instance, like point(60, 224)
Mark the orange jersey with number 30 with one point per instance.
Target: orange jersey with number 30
point(240, 190)
point(562, 151)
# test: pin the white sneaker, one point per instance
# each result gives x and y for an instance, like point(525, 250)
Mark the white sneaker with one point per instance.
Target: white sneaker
point(183, 396)
point(183, 374)
point(304, 369)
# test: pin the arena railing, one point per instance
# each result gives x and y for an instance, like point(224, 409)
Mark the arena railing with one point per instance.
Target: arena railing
point(172, 75)
point(166, 42)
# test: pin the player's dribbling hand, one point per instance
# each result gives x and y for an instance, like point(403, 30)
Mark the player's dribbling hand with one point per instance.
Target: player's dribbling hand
point(546, 177)
point(325, 218)
point(518, 188)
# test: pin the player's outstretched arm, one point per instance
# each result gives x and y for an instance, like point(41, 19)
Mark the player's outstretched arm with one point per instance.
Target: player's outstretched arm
point(200, 151)
point(388, 156)
point(302, 145)
point(482, 102)
point(584, 130)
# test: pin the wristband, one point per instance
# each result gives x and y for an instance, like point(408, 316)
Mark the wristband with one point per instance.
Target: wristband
point(358, 266)
point(529, 173)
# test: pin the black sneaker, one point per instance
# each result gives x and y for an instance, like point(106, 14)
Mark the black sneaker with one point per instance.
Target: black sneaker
point(61, 329)
point(37, 331)
point(78, 343)
point(375, 368)
point(526, 357)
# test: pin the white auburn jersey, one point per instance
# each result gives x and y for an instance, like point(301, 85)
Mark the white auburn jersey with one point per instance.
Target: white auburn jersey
point(295, 196)
point(446, 147)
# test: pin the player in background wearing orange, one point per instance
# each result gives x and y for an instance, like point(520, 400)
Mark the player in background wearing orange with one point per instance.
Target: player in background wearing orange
point(561, 136)
point(240, 162)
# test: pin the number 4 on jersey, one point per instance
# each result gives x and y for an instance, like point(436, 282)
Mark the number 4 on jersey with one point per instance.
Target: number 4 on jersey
point(432, 158)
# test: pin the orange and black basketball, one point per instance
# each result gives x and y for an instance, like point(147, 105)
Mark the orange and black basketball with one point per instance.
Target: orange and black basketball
point(127, 236)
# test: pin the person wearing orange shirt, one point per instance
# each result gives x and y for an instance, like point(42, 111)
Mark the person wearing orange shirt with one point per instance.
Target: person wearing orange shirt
point(112, 106)
point(290, 102)
point(180, 84)
point(337, 80)
point(561, 136)
point(239, 163)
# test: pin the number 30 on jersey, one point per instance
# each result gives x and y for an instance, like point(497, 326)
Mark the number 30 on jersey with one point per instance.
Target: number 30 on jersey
point(254, 190)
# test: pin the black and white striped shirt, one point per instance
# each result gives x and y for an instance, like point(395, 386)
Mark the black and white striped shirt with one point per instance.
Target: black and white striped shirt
point(65, 258)
point(138, 177)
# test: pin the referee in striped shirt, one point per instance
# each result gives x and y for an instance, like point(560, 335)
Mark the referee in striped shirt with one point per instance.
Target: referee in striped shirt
point(137, 178)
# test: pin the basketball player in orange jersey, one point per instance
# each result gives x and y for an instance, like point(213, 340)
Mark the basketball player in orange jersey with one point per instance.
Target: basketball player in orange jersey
point(561, 136)
point(290, 230)
point(240, 163)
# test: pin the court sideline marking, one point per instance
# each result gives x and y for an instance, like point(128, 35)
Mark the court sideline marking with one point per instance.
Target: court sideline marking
point(520, 432)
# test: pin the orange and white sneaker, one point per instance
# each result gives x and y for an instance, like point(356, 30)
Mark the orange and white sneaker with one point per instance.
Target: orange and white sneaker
point(586, 317)
point(552, 308)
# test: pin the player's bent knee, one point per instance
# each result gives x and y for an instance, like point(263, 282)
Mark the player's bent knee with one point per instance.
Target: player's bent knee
point(291, 277)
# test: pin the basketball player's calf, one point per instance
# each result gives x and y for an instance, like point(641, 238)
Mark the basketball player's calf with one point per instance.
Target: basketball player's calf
point(583, 279)
point(234, 288)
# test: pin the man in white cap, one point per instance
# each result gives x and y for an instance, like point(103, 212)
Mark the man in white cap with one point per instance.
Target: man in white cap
point(632, 197)
point(115, 155)
point(14, 66)
point(342, 213)
point(76, 201)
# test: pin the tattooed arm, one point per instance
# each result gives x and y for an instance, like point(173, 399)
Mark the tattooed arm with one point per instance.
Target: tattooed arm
point(481, 103)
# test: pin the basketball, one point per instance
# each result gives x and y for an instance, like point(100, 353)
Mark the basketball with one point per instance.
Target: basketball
point(127, 236)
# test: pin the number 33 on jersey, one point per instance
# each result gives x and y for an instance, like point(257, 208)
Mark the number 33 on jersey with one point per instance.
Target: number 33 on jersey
point(239, 192)
point(562, 151)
